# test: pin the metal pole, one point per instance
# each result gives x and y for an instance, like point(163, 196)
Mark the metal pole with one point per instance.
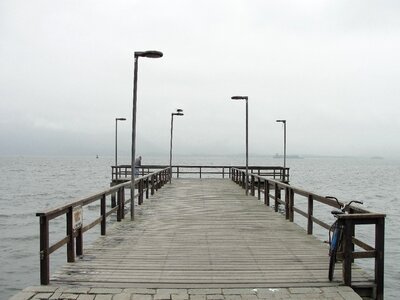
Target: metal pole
point(135, 76)
point(170, 148)
point(116, 139)
point(284, 150)
point(247, 145)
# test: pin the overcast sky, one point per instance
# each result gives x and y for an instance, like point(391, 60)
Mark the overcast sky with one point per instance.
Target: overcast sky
point(331, 68)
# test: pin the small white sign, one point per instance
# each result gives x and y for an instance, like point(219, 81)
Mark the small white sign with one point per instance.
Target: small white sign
point(77, 217)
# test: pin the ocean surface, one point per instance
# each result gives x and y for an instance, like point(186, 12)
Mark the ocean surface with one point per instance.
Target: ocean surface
point(32, 184)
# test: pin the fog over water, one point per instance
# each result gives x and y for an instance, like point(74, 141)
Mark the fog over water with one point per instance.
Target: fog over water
point(331, 68)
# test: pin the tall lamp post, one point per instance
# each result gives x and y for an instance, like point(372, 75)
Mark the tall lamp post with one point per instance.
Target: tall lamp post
point(179, 112)
point(284, 147)
point(116, 139)
point(149, 54)
point(247, 137)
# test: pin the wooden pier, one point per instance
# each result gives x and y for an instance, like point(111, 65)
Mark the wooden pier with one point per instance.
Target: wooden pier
point(202, 234)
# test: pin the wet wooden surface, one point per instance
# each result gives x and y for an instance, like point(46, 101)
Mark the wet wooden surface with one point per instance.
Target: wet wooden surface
point(198, 233)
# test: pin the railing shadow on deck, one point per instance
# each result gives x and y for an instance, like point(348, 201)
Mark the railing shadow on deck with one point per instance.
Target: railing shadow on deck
point(75, 228)
point(283, 194)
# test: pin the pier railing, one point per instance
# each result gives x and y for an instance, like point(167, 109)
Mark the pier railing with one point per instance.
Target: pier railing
point(73, 212)
point(123, 172)
point(282, 194)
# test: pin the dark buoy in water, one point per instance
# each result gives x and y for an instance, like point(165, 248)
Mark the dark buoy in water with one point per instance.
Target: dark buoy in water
point(97, 156)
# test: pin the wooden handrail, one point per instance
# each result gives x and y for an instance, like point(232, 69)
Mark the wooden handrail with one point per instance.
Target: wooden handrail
point(356, 216)
point(123, 172)
point(74, 236)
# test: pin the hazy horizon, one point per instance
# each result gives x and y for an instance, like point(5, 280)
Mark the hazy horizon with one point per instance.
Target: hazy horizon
point(330, 68)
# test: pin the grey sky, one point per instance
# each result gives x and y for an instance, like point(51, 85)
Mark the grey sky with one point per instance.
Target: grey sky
point(331, 68)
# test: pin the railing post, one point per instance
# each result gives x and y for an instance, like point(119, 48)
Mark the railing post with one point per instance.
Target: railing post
point(277, 196)
point(258, 188)
point(379, 259)
point(140, 191)
point(113, 202)
point(252, 189)
point(223, 172)
point(266, 192)
point(152, 184)
point(310, 214)
point(347, 252)
point(103, 214)
point(287, 204)
point(291, 205)
point(161, 179)
point(70, 234)
point(122, 203)
point(119, 210)
point(44, 251)
point(79, 242)
point(147, 188)
point(177, 172)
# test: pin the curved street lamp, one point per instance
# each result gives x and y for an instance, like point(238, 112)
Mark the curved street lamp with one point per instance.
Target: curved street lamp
point(284, 147)
point(246, 98)
point(149, 54)
point(179, 112)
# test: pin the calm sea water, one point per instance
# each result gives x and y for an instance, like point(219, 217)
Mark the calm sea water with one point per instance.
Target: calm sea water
point(32, 184)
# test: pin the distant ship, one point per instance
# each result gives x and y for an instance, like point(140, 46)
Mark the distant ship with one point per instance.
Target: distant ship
point(287, 156)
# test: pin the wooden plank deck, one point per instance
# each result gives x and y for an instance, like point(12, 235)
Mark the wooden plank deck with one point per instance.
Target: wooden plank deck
point(203, 233)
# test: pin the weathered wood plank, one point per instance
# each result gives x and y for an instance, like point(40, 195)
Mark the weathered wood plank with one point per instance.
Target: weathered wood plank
point(203, 233)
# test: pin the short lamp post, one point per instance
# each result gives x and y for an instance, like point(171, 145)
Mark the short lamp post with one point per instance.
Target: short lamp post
point(116, 140)
point(284, 147)
point(179, 112)
point(149, 54)
point(247, 137)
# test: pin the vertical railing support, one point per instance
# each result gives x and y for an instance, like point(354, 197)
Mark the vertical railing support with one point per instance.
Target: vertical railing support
point(140, 191)
point(152, 184)
point(113, 202)
point(266, 192)
point(252, 183)
point(258, 188)
point(277, 196)
point(123, 203)
point(79, 242)
point(310, 214)
point(379, 259)
point(103, 214)
point(287, 205)
point(146, 187)
point(44, 251)
point(291, 205)
point(119, 203)
point(347, 251)
point(70, 234)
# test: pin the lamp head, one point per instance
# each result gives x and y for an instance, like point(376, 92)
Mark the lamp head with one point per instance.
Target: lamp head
point(239, 98)
point(281, 121)
point(179, 112)
point(149, 54)
point(120, 119)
